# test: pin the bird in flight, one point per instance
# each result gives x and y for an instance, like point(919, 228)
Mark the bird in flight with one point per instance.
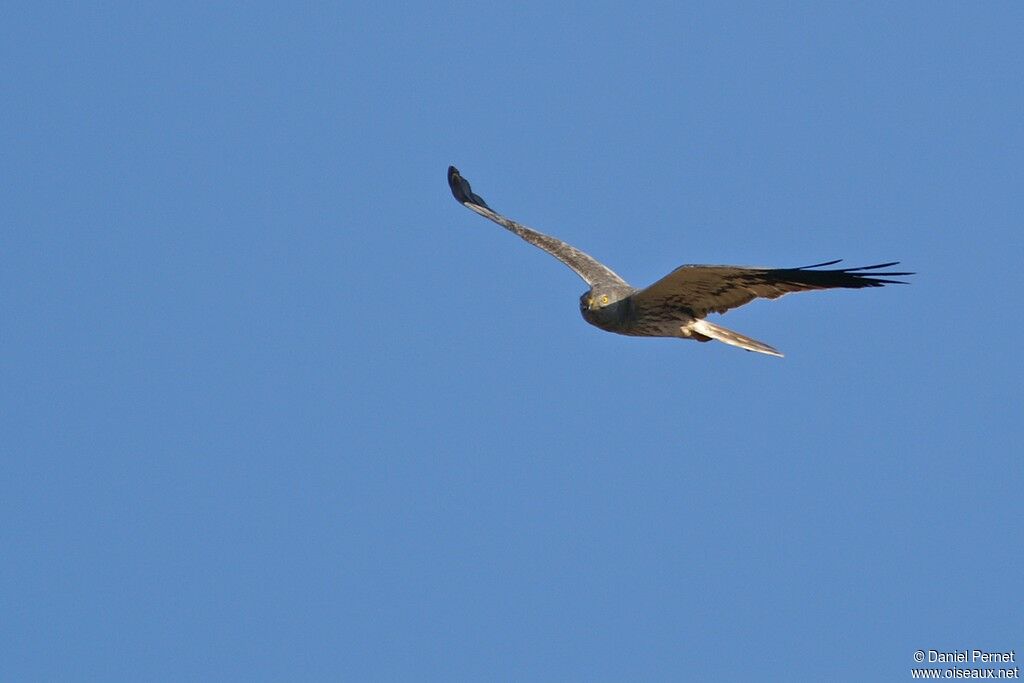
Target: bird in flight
point(678, 304)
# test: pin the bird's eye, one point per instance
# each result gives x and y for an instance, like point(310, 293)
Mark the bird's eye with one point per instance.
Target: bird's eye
point(604, 299)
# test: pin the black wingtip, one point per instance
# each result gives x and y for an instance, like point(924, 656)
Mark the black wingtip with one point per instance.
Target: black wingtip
point(821, 265)
point(461, 190)
point(455, 183)
point(861, 276)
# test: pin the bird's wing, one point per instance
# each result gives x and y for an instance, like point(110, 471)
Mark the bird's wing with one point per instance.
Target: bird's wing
point(587, 267)
point(705, 289)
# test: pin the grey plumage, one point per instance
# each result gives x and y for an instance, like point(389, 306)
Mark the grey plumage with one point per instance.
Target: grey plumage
point(676, 305)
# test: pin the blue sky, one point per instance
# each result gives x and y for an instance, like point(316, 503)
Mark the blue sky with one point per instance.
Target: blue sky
point(275, 407)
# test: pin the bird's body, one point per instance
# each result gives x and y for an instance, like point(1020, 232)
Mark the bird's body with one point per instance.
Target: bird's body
point(677, 304)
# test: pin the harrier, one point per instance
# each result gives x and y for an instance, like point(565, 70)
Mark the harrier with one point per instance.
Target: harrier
point(677, 304)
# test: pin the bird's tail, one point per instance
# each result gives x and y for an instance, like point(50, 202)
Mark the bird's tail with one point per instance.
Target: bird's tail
point(732, 338)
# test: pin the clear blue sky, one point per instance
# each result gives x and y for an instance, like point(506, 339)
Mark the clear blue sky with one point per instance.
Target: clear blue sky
point(275, 407)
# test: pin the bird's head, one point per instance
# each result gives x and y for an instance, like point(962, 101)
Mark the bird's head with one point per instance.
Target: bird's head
point(606, 304)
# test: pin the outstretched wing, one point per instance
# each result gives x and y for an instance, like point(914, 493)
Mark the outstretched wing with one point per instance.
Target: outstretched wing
point(587, 267)
point(705, 289)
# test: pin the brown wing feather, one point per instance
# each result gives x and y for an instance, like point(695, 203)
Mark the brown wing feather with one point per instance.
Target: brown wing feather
point(716, 289)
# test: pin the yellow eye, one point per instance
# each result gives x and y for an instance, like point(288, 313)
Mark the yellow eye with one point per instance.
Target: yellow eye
point(604, 299)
